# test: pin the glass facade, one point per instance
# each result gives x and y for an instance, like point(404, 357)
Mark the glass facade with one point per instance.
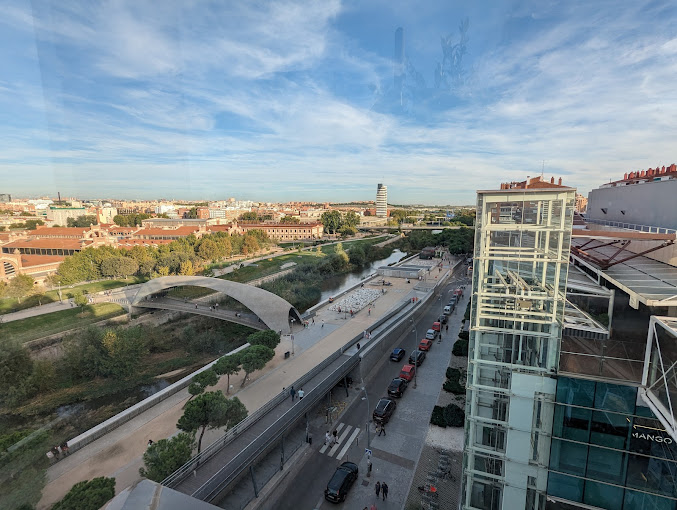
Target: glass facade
point(522, 240)
point(608, 451)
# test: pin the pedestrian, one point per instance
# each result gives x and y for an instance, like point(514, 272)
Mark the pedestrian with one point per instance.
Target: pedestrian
point(292, 392)
point(370, 311)
point(322, 324)
point(313, 320)
point(382, 430)
point(373, 507)
point(384, 488)
point(327, 438)
point(150, 443)
point(196, 306)
point(301, 393)
point(335, 437)
point(368, 466)
point(377, 488)
point(446, 328)
point(358, 346)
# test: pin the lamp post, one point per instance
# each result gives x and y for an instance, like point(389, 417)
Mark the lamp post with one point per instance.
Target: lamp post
point(291, 331)
point(366, 397)
point(415, 340)
point(60, 300)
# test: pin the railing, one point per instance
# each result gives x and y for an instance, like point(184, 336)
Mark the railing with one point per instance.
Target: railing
point(634, 226)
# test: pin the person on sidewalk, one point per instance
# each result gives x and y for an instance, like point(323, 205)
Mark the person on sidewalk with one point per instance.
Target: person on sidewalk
point(334, 439)
point(301, 393)
point(382, 430)
point(377, 488)
point(292, 392)
point(327, 439)
point(384, 488)
point(373, 507)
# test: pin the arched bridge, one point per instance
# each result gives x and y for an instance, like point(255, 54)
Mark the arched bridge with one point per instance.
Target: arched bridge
point(273, 311)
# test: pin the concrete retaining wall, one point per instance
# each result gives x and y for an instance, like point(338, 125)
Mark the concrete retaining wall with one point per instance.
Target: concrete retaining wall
point(115, 421)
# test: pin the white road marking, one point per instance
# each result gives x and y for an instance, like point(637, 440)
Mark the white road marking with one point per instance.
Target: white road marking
point(348, 443)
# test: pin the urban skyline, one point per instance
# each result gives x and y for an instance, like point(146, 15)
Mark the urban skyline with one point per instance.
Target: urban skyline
point(128, 100)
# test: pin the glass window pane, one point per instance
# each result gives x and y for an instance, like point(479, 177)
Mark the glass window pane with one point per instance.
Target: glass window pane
point(652, 475)
point(603, 496)
point(606, 465)
point(614, 397)
point(572, 423)
point(640, 501)
point(565, 487)
point(575, 391)
point(568, 457)
point(610, 429)
point(650, 438)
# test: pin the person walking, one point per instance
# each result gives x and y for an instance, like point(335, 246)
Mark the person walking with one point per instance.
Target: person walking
point(377, 488)
point(334, 439)
point(292, 392)
point(301, 393)
point(382, 430)
point(446, 328)
point(327, 438)
point(384, 488)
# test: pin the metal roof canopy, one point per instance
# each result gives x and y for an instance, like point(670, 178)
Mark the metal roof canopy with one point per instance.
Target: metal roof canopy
point(580, 281)
point(595, 239)
point(645, 280)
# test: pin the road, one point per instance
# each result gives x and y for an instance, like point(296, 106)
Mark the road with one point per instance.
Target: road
point(395, 455)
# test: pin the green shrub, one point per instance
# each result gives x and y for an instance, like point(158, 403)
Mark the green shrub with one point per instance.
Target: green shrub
point(454, 416)
point(460, 348)
point(464, 335)
point(453, 386)
point(453, 373)
point(88, 495)
point(437, 418)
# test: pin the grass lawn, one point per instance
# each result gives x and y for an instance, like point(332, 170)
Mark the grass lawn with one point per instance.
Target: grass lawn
point(266, 266)
point(31, 328)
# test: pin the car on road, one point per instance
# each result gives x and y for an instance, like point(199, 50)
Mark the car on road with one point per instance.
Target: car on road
point(384, 410)
point(397, 354)
point(436, 326)
point(339, 485)
point(417, 357)
point(397, 387)
point(443, 319)
point(407, 373)
point(431, 334)
point(425, 345)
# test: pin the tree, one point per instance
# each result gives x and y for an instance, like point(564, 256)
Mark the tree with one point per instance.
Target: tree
point(255, 358)
point(211, 409)
point(81, 221)
point(227, 365)
point(268, 337)
point(79, 299)
point(332, 221)
point(351, 219)
point(290, 219)
point(209, 250)
point(357, 256)
point(250, 245)
point(249, 216)
point(119, 266)
point(15, 364)
point(201, 381)
point(165, 456)
point(123, 349)
point(186, 268)
point(346, 231)
point(20, 286)
point(88, 495)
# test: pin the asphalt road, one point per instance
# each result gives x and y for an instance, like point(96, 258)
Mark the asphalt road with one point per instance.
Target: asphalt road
point(395, 456)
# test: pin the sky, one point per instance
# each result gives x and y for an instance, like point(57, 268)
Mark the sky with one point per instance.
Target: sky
point(286, 100)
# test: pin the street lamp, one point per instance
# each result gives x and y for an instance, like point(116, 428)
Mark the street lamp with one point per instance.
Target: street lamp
point(415, 340)
point(60, 300)
point(291, 334)
point(366, 397)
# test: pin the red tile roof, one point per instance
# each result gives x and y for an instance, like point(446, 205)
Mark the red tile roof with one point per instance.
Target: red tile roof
point(38, 260)
point(50, 243)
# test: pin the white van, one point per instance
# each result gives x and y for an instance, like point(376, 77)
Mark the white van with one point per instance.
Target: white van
point(431, 334)
point(447, 310)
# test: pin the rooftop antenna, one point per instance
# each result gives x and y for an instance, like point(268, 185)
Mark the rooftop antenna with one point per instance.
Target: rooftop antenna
point(59, 194)
point(542, 169)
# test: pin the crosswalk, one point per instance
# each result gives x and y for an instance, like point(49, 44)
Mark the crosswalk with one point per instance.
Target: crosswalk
point(345, 439)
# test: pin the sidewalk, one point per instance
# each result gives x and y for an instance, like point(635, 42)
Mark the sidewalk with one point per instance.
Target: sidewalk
point(120, 452)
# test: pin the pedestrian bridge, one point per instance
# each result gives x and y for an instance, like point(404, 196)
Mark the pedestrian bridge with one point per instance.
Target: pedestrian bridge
point(273, 311)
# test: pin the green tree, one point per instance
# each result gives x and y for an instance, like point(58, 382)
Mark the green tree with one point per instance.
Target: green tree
point(187, 268)
point(211, 409)
point(200, 382)
point(290, 219)
point(255, 358)
point(268, 337)
point(20, 286)
point(123, 352)
point(15, 365)
point(119, 266)
point(81, 221)
point(346, 231)
point(165, 456)
point(227, 365)
point(332, 221)
point(210, 250)
point(250, 245)
point(351, 219)
point(251, 217)
point(356, 255)
point(79, 298)
point(88, 495)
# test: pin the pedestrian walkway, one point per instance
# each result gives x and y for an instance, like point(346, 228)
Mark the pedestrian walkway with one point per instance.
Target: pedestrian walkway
point(345, 439)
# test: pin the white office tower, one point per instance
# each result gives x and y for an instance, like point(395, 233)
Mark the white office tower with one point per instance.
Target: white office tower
point(522, 242)
point(382, 201)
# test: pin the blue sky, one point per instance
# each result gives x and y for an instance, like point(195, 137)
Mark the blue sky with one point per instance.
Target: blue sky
point(287, 100)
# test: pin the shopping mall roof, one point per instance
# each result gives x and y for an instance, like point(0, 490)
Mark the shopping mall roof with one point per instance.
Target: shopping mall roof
point(645, 280)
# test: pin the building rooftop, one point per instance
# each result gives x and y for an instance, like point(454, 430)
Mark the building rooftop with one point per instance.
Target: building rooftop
point(47, 243)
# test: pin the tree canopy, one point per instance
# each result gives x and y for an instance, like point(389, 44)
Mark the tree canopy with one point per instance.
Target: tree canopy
point(227, 365)
point(88, 495)
point(255, 358)
point(81, 221)
point(201, 381)
point(165, 456)
point(267, 337)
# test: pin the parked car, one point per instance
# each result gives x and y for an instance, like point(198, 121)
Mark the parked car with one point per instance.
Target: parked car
point(443, 319)
point(431, 334)
point(397, 354)
point(384, 410)
point(397, 387)
point(436, 326)
point(425, 345)
point(452, 301)
point(447, 310)
point(339, 485)
point(407, 373)
point(417, 357)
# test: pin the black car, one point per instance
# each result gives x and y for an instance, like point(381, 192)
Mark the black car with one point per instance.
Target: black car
point(443, 319)
point(339, 485)
point(397, 387)
point(416, 358)
point(397, 354)
point(384, 410)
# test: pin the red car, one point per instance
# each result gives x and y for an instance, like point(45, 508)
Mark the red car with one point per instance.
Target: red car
point(407, 372)
point(425, 345)
point(436, 327)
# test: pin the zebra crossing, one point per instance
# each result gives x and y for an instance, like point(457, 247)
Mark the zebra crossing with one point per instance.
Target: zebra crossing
point(346, 436)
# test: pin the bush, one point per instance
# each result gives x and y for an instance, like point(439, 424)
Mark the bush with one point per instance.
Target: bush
point(460, 348)
point(464, 335)
point(453, 373)
point(437, 418)
point(88, 495)
point(454, 416)
point(453, 386)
